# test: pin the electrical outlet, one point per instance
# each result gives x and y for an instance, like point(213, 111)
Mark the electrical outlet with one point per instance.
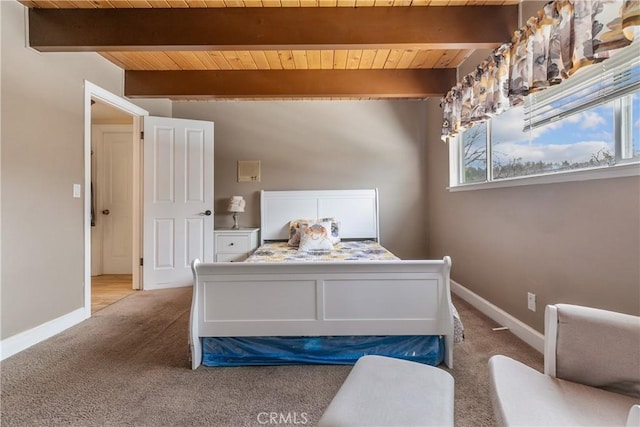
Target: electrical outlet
point(531, 301)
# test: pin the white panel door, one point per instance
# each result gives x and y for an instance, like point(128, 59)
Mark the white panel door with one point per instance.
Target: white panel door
point(115, 194)
point(178, 199)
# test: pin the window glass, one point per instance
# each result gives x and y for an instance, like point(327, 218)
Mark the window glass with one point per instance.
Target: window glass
point(474, 154)
point(582, 140)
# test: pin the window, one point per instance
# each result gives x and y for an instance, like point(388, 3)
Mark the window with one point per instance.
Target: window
point(589, 121)
point(474, 154)
point(578, 141)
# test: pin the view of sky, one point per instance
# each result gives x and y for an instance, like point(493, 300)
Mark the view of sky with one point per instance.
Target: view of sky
point(574, 139)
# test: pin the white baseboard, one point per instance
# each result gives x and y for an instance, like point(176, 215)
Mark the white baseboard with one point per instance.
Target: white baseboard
point(26, 339)
point(523, 331)
point(163, 286)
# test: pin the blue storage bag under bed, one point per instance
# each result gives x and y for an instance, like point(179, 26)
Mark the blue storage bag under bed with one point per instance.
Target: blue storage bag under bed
point(324, 350)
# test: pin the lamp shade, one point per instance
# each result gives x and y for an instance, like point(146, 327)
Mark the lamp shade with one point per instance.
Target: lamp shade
point(236, 204)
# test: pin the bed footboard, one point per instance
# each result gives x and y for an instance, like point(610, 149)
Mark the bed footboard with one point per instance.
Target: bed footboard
point(321, 299)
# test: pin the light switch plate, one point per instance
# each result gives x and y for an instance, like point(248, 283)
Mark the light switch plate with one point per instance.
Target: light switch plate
point(77, 191)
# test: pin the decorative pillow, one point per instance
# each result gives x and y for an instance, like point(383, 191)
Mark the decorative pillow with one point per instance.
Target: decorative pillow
point(335, 229)
point(315, 237)
point(294, 230)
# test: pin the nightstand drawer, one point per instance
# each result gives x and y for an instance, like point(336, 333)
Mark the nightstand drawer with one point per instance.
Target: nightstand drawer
point(233, 243)
point(229, 257)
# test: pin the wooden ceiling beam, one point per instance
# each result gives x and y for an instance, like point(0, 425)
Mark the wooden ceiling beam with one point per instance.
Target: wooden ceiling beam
point(433, 27)
point(191, 84)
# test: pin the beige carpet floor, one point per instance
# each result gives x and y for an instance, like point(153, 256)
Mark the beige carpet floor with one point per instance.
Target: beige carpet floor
point(129, 366)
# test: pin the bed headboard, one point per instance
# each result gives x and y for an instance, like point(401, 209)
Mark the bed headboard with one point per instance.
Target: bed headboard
point(356, 210)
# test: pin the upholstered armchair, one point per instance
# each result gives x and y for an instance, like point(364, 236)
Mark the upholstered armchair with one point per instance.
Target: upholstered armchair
point(591, 373)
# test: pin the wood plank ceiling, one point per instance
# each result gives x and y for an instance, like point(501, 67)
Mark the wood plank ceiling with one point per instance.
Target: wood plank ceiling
point(276, 49)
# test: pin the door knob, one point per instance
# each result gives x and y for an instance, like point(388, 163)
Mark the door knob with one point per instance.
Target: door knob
point(206, 213)
point(106, 212)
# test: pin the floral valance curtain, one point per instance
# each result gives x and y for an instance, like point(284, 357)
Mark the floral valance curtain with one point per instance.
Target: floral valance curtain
point(563, 37)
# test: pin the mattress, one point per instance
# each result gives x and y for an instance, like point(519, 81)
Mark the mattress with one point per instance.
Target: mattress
point(356, 250)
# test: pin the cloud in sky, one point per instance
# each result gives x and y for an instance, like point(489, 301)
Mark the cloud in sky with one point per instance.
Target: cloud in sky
point(591, 120)
point(551, 153)
point(574, 139)
point(507, 127)
point(589, 125)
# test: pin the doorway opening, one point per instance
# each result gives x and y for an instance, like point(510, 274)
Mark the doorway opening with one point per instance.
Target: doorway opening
point(111, 205)
point(112, 198)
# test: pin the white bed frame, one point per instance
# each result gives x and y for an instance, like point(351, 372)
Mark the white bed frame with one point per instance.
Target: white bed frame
point(321, 298)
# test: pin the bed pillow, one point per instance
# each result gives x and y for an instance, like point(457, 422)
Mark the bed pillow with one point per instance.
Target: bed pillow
point(335, 229)
point(294, 230)
point(315, 237)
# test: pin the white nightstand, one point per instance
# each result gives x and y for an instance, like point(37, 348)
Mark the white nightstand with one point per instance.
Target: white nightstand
point(235, 245)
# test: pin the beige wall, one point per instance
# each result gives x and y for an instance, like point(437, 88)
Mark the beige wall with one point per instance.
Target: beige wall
point(42, 157)
point(576, 242)
point(306, 145)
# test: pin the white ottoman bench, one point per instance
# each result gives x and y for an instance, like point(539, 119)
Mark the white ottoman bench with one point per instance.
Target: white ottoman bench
point(383, 391)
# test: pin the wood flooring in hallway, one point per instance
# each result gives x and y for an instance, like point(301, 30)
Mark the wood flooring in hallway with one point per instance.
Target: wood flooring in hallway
point(109, 288)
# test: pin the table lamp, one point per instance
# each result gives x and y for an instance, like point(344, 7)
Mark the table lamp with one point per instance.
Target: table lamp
point(236, 205)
